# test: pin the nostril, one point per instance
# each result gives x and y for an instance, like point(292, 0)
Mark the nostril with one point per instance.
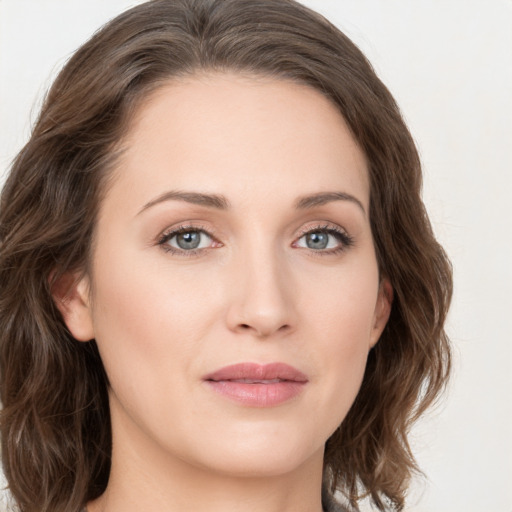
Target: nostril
point(263, 332)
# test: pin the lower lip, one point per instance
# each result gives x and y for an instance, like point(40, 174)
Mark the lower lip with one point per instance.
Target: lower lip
point(258, 395)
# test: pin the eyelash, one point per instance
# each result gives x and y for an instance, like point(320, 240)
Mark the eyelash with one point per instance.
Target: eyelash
point(168, 235)
point(346, 241)
point(341, 236)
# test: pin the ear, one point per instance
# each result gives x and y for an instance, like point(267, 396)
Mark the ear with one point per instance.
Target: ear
point(382, 310)
point(70, 293)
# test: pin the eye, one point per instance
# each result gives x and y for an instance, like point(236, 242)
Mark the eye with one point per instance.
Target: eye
point(186, 239)
point(325, 239)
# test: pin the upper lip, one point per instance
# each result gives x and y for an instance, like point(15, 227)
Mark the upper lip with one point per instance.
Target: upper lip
point(258, 372)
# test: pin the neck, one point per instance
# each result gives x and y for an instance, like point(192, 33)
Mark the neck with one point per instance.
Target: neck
point(145, 477)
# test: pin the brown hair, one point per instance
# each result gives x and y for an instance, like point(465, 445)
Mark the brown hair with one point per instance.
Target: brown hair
point(55, 425)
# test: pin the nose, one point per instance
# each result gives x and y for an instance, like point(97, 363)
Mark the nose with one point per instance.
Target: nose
point(262, 296)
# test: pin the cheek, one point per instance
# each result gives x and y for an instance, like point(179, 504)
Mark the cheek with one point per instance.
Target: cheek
point(150, 338)
point(147, 320)
point(341, 306)
point(143, 298)
point(341, 325)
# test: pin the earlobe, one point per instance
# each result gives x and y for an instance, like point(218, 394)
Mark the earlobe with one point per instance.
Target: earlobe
point(382, 310)
point(71, 296)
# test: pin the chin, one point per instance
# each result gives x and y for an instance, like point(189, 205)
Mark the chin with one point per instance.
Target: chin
point(262, 464)
point(261, 453)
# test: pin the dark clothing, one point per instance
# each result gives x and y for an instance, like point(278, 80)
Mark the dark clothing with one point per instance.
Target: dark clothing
point(329, 504)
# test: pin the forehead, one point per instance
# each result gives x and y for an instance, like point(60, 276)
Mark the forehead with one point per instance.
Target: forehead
point(230, 133)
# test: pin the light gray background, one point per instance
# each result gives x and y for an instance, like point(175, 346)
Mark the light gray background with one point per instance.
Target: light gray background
point(449, 64)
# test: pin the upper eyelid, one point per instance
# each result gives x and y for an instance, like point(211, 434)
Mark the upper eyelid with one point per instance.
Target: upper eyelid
point(325, 226)
point(172, 233)
point(184, 228)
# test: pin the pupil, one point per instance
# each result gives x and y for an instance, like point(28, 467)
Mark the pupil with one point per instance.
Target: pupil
point(317, 240)
point(188, 240)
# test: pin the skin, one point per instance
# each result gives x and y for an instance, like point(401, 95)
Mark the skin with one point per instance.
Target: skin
point(253, 292)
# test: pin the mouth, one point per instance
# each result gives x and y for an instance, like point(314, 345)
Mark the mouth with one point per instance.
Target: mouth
point(256, 385)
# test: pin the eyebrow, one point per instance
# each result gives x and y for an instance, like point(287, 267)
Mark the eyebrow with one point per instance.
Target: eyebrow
point(209, 200)
point(221, 203)
point(322, 198)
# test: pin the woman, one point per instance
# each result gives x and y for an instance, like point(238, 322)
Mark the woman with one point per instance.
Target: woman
point(219, 286)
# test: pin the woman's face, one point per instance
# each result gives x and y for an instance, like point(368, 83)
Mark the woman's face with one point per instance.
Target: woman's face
point(234, 291)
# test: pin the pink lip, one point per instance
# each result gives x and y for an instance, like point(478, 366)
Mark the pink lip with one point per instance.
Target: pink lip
point(257, 385)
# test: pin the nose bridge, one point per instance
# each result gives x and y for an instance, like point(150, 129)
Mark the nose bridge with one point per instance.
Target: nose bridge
point(262, 301)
